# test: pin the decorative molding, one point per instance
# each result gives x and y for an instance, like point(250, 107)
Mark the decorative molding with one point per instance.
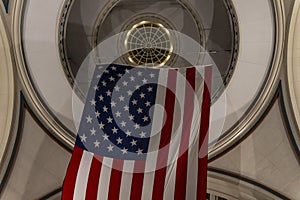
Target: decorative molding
point(291, 96)
point(26, 107)
point(15, 148)
point(279, 95)
point(7, 101)
point(35, 102)
point(248, 181)
point(293, 138)
point(5, 3)
point(232, 14)
point(253, 115)
point(23, 107)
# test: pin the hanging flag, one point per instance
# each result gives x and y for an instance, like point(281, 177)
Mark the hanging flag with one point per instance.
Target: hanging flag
point(142, 135)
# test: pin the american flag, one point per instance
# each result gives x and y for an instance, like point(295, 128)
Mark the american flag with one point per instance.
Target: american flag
point(141, 134)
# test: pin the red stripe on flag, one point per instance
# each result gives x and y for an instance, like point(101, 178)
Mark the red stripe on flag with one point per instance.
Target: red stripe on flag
point(137, 180)
point(93, 180)
point(166, 132)
point(182, 162)
point(70, 178)
point(115, 179)
point(203, 140)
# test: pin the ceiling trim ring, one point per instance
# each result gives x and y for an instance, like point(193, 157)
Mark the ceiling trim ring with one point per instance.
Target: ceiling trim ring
point(278, 96)
point(23, 108)
point(293, 89)
point(26, 108)
point(64, 17)
point(14, 148)
point(266, 94)
point(35, 102)
point(244, 181)
point(7, 100)
point(292, 134)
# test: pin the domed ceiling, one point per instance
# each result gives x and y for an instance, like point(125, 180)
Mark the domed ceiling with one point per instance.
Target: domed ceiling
point(165, 33)
point(50, 50)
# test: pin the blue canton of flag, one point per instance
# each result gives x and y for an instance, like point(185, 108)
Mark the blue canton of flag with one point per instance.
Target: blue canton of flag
point(116, 120)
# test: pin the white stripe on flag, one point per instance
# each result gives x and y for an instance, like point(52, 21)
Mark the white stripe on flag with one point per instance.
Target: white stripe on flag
point(176, 135)
point(154, 141)
point(104, 180)
point(82, 175)
point(125, 188)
